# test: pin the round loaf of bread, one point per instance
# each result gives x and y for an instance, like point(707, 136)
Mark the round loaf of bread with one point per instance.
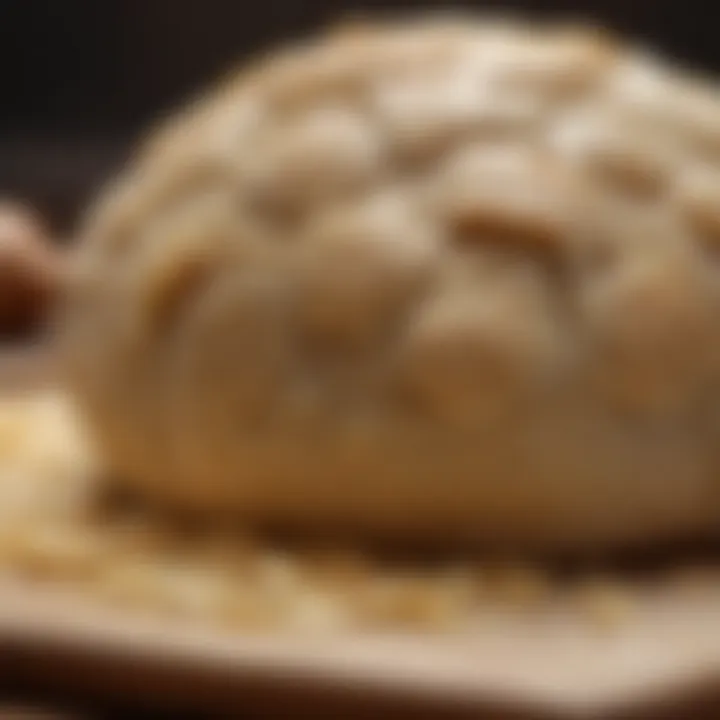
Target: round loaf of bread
point(453, 279)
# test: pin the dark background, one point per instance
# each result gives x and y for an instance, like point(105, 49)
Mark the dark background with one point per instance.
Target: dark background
point(80, 78)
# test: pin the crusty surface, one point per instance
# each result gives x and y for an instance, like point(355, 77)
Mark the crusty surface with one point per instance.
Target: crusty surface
point(454, 279)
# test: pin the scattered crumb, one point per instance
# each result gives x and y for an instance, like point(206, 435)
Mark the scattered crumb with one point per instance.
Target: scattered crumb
point(608, 605)
point(518, 586)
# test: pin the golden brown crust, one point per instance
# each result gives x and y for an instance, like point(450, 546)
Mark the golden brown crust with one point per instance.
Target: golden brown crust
point(444, 277)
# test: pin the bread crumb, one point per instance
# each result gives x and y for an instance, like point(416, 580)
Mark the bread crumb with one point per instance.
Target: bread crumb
point(607, 604)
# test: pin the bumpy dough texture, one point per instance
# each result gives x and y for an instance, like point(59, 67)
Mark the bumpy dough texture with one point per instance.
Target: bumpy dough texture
point(453, 279)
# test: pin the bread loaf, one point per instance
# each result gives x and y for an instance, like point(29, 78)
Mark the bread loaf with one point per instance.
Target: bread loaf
point(453, 279)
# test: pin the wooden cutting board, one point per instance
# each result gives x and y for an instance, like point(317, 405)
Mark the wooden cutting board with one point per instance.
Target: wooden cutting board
point(663, 661)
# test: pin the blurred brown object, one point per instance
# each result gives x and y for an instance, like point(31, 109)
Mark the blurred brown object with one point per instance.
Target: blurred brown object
point(30, 270)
